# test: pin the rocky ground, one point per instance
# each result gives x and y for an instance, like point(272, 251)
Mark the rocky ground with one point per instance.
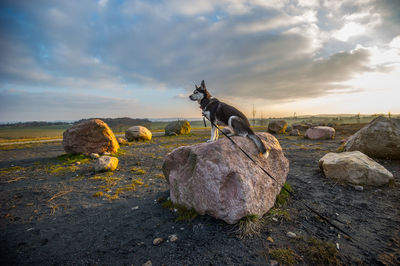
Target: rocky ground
point(55, 210)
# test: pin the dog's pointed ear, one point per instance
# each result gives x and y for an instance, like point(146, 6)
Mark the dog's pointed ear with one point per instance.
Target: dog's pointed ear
point(203, 84)
point(196, 87)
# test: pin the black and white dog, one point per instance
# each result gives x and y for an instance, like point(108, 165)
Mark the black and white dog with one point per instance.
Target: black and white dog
point(226, 115)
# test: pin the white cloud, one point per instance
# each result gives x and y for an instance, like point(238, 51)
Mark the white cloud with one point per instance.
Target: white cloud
point(349, 30)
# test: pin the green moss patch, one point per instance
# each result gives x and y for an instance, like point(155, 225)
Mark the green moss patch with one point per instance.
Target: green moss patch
point(182, 213)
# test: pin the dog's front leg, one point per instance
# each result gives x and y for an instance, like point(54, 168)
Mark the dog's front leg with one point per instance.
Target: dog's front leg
point(212, 138)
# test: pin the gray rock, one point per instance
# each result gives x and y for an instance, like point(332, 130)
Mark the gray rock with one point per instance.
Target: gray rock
point(147, 263)
point(136, 133)
point(359, 188)
point(157, 241)
point(355, 168)
point(173, 238)
point(216, 179)
point(378, 139)
point(291, 235)
point(277, 126)
point(320, 132)
point(177, 128)
point(106, 163)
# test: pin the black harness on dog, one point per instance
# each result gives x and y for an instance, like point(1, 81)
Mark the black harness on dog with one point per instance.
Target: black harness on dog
point(283, 187)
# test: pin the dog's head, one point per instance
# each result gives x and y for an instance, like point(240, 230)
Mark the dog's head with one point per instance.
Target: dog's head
point(200, 93)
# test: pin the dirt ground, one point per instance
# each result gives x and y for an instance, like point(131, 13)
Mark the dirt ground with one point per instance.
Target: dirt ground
point(56, 210)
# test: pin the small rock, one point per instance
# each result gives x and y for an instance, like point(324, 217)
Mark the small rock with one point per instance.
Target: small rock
point(270, 239)
point(135, 208)
point(106, 163)
point(122, 141)
point(291, 235)
point(182, 228)
point(273, 263)
point(78, 163)
point(274, 219)
point(173, 238)
point(157, 241)
point(359, 188)
point(337, 246)
point(94, 155)
point(147, 263)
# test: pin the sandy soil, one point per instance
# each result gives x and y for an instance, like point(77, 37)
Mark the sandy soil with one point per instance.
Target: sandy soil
point(49, 214)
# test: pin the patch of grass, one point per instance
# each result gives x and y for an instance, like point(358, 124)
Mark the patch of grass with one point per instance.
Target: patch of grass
point(319, 252)
point(182, 213)
point(160, 176)
point(73, 158)
point(98, 194)
point(284, 195)
point(11, 169)
point(280, 214)
point(119, 153)
point(284, 256)
point(250, 226)
point(138, 171)
point(60, 169)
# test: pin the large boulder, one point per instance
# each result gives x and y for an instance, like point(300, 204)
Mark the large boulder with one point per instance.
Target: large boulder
point(217, 179)
point(106, 163)
point(301, 126)
point(320, 132)
point(174, 128)
point(277, 126)
point(90, 136)
point(355, 168)
point(136, 133)
point(379, 139)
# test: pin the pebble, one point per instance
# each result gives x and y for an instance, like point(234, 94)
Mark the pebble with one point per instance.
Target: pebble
point(157, 241)
point(94, 155)
point(135, 208)
point(337, 246)
point(270, 239)
point(291, 234)
point(359, 188)
point(273, 263)
point(173, 238)
point(78, 163)
point(274, 219)
point(147, 263)
point(182, 228)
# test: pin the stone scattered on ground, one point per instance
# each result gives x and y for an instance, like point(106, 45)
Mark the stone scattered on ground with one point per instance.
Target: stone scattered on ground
point(294, 132)
point(94, 155)
point(277, 126)
point(355, 168)
point(147, 263)
point(270, 239)
point(291, 234)
point(379, 139)
point(174, 128)
point(273, 263)
point(320, 132)
point(90, 136)
point(106, 163)
point(157, 241)
point(173, 238)
point(217, 179)
point(136, 133)
point(359, 188)
point(122, 141)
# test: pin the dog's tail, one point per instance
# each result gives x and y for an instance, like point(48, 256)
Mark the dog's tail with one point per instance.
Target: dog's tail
point(260, 145)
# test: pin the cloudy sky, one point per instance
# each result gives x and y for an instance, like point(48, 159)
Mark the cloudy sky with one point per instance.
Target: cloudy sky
point(66, 60)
